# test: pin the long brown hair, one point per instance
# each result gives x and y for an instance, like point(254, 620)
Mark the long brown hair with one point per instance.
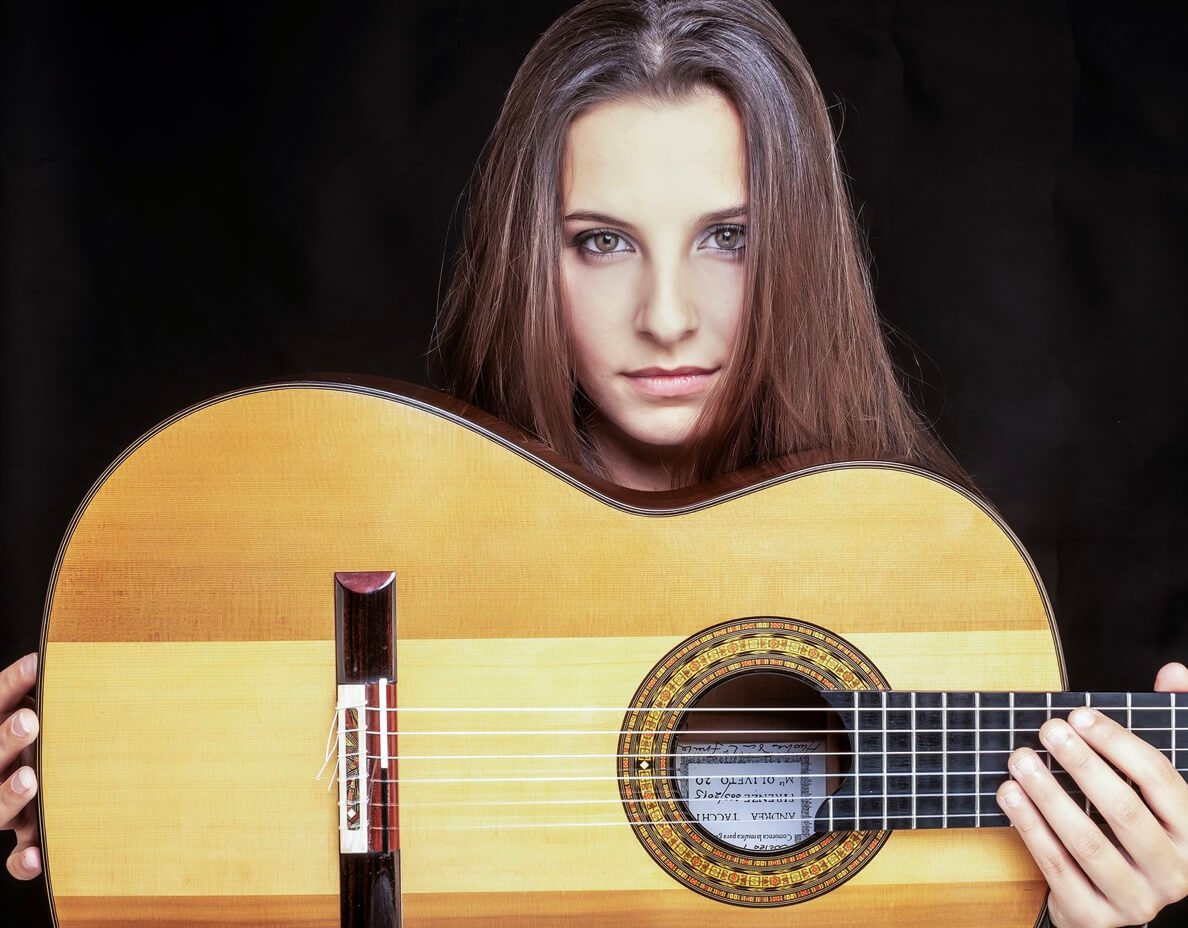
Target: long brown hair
point(809, 371)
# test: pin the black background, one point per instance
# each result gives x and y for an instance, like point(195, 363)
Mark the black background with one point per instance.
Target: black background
point(208, 195)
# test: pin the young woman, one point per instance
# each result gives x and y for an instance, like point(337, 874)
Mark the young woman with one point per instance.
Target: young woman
point(661, 278)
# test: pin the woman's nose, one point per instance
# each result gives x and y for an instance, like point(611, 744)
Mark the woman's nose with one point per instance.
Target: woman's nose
point(667, 311)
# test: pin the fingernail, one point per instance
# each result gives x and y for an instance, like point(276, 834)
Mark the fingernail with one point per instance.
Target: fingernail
point(20, 724)
point(1026, 764)
point(29, 665)
point(23, 781)
point(1083, 718)
point(1057, 733)
point(31, 859)
point(1010, 797)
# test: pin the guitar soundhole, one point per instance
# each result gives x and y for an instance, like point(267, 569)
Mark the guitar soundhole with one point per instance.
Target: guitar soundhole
point(754, 758)
point(725, 752)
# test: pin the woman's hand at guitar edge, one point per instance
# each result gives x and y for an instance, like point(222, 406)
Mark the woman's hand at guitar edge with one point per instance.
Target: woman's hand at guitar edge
point(17, 733)
point(1096, 880)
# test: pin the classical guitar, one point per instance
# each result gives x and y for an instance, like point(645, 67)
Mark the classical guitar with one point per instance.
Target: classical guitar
point(334, 653)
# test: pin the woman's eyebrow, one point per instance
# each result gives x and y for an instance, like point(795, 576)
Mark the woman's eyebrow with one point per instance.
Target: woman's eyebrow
point(721, 215)
point(585, 215)
point(705, 219)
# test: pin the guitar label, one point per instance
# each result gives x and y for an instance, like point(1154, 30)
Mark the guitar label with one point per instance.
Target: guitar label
point(755, 796)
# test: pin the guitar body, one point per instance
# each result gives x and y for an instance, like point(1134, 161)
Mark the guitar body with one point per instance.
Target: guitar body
point(188, 678)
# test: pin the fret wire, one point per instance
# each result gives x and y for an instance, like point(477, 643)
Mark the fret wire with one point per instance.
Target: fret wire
point(1048, 701)
point(945, 758)
point(978, 757)
point(1129, 725)
point(912, 716)
point(885, 741)
point(1011, 722)
point(1173, 729)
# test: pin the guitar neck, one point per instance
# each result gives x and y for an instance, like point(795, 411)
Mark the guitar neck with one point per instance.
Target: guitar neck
point(935, 760)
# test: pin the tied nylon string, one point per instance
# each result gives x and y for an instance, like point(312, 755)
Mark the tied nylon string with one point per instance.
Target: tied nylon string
point(723, 731)
point(825, 707)
point(885, 729)
point(745, 737)
point(912, 711)
point(840, 822)
point(596, 778)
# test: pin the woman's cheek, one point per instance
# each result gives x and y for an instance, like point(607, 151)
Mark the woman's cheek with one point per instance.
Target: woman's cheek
point(720, 283)
point(599, 303)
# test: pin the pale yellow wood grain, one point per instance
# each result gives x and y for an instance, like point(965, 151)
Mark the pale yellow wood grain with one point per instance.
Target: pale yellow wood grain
point(963, 661)
point(198, 911)
point(965, 903)
point(187, 768)
point(228, 737)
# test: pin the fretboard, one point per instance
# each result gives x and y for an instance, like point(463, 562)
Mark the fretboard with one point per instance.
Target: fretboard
point(935, 760)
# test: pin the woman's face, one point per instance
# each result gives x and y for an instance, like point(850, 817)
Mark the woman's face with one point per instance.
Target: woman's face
point(653, 268)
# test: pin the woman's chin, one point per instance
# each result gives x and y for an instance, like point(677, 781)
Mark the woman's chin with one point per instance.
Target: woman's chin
point(664, 437)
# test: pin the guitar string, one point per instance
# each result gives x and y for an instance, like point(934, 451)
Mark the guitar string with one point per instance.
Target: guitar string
point(777, 800)
point(839, 825)
point(723, 760)
point(746, 736)
point(917, 777)
point(840, 822)
point(881, 818)
point(884, 797)
point(878, 707)
point(883, 812)
point(509, 732)
point(696, 757)
point(789, 800)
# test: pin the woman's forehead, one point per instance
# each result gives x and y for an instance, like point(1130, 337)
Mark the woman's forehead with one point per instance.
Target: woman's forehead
point(639, 155)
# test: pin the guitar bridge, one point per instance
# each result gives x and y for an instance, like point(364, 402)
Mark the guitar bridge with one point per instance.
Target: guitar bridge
point(368, 808)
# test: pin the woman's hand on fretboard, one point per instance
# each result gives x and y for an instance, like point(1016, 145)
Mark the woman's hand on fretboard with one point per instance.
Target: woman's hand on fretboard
point(1097, 880)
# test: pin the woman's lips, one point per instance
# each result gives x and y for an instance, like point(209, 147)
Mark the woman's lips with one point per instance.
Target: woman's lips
point(678, 382)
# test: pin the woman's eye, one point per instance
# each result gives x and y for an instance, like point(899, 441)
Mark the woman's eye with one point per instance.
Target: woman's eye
point(604, 243)
point(726, 238)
